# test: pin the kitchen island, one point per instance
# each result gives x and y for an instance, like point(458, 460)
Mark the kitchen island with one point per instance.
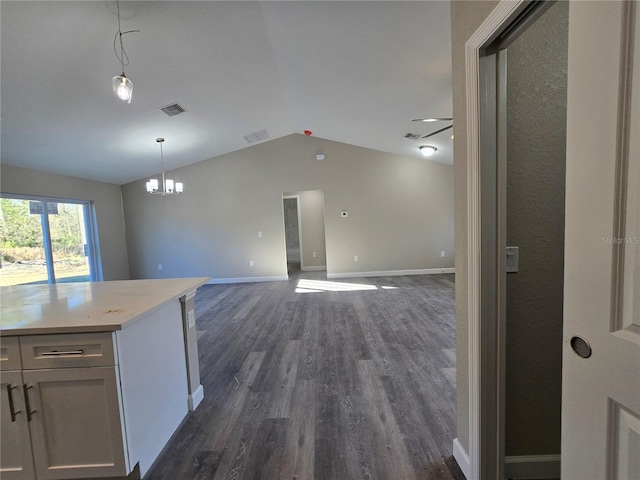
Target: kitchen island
point(96, 377)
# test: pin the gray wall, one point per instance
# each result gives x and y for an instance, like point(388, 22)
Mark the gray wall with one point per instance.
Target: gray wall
point(312, 228)
point(400, 212)
point(466, 17)
point(105, 197)
point(536, 138)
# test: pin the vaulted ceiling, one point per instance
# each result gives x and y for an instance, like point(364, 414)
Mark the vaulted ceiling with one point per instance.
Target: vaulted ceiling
point(354, 72)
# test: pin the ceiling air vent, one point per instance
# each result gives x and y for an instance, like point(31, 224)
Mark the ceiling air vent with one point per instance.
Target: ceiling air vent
point(173, 109)
point(256, 136)
point(412, 136)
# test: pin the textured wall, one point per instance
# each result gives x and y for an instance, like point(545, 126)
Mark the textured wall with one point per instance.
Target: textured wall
point(107, 202)
point(536, 138)
point(400, 212)
point(466, 17)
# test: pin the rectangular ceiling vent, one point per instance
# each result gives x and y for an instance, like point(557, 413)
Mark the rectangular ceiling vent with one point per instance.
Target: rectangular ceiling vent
point(256, 136)
point(412, 136)
point(173, 109)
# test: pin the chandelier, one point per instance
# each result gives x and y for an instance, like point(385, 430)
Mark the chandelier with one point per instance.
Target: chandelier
point(169, 187)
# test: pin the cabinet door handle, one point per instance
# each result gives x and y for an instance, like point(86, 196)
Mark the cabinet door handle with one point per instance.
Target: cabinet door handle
point(25, 390)
point(12, 407)
point(55, 353)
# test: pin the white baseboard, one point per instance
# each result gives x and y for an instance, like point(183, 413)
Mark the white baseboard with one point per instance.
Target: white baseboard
point(392, 273)
point(195, 398)
point(318, 268)
point(532, 466)
point(215, 281)
point(462, 458)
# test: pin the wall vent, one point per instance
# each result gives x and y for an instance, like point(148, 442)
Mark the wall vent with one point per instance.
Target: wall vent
point(412, 136)
point(256, 136)
point(173, 109)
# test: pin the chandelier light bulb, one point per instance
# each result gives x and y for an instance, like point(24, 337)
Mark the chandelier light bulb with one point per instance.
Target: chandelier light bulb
point(169, 186)
point(123, 88)
point(179, 187)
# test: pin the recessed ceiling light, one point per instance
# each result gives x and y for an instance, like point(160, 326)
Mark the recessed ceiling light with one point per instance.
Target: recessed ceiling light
point(427, 150)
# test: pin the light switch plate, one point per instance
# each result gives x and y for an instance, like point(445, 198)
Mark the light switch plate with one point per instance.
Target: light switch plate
point(513, 258)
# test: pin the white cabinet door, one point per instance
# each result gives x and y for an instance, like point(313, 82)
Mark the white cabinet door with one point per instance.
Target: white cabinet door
point(601, 356)
point(16, 461)
point(76, 427)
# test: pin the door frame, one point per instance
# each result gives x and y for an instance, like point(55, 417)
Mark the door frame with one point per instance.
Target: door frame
point(297, 197)
point(485, 212)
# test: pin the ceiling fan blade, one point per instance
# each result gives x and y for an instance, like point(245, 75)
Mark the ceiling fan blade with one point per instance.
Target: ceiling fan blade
point(438, 131)
point(432, 119)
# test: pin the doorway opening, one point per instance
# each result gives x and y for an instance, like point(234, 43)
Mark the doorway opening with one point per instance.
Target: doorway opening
point(304, 231)
point(507, 207)
point(291, 204)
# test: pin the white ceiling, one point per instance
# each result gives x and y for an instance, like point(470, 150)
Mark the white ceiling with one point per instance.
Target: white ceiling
point(353, 72)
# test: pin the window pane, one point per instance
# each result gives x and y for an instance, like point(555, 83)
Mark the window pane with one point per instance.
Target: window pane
point(22, 254)
point(69, 242)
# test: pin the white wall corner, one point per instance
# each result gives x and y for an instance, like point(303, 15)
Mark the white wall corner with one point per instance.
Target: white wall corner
point(462, 458)
point(215, 281)
point(532, 466)
point(392, 273)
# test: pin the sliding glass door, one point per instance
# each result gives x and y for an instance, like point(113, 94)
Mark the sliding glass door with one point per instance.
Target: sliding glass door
point(44, 240)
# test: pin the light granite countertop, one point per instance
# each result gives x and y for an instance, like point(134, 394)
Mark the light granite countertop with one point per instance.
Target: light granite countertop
point(86, 306)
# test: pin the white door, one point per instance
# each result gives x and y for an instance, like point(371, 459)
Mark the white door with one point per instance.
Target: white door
point(601, 393)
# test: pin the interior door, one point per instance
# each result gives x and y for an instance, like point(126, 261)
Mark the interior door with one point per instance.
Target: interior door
point(601, 353)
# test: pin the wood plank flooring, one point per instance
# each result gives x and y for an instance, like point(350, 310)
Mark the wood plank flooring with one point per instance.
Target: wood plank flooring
point(326, 380)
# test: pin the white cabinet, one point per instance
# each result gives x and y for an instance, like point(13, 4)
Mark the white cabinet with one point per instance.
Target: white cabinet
point(67, 421)
point(100, 404)
point(75, 424)
point(16, 462)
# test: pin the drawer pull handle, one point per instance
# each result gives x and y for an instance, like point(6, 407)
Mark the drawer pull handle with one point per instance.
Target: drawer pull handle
point(25, 390)
point(55, 353)
point(12, 407)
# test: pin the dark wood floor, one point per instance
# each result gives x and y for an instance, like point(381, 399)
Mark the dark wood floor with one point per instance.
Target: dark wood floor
point(325, 380)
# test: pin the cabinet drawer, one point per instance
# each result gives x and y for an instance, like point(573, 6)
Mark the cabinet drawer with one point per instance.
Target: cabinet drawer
point(10, 353)
point(68, 350)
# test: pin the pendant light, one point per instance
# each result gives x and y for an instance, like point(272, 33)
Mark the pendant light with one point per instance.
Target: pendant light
point(169, 187)
point(122, 86)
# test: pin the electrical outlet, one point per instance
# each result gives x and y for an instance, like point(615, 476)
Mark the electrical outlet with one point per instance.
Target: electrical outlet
point(159, 266)
point(259, 234)
point(442, 253)
point(251, 263)
point(315, 254)
point(355, 258)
